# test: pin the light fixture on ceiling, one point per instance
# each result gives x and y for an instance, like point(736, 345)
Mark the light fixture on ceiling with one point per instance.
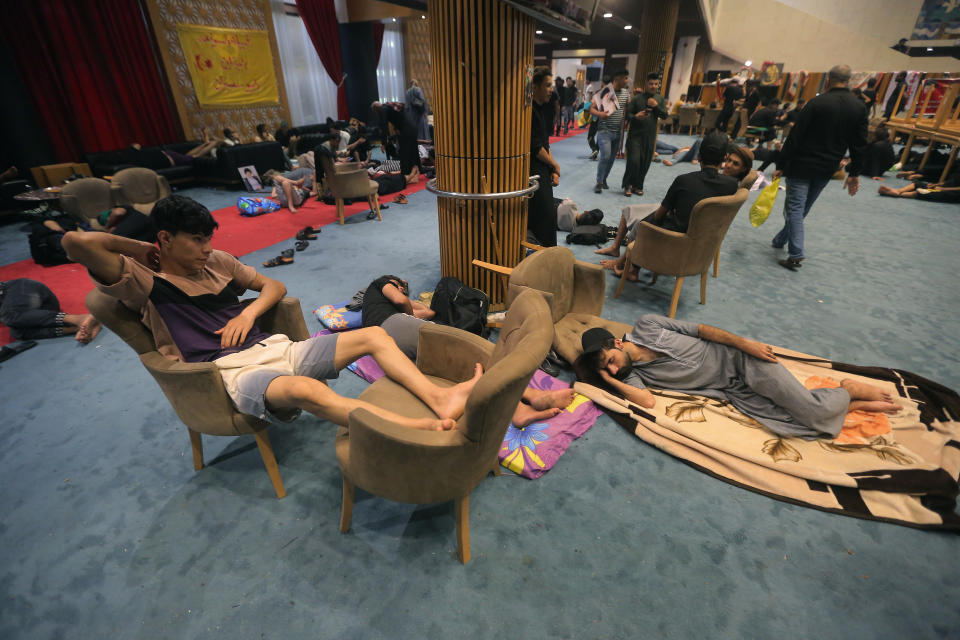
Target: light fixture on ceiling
point(608, 15)
point(394, 19)
point(929, 48)
point(422, 17)
point(539, 32)
point(564, 39)
point(748, 63)
point(628, 26)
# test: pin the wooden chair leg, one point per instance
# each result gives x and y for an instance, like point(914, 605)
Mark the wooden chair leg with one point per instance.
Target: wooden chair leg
point(196, 443)
point(340, 209)
point(270, 461)
point(676, 298)
point(461, 508)
point(716, 263)
point(627, 267)
point(346, 506)
point(703, 288)
point(376, 206)
point(497, 471)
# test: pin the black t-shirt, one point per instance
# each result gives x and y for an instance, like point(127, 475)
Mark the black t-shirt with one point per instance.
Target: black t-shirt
point(321, 151)
point(731, 94)
point(376, 306)
point(750, 104)
point(689, 189)
point(764, 117)
point(540, 128)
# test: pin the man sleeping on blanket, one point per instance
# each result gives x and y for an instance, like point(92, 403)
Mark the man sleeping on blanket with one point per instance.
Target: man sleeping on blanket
point(695, 358)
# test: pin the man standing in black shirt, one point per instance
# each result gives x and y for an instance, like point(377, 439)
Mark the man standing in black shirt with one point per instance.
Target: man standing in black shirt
point(642, 114)
point(828, 126)
point(541, 215)
point(731, 94)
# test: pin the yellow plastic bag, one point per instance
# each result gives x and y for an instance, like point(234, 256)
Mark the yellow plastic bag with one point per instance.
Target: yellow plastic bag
point(761, 209)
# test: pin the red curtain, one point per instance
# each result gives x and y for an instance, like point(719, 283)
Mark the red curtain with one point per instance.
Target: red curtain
point(378, 39)
point(320, 19)
point(91, 72)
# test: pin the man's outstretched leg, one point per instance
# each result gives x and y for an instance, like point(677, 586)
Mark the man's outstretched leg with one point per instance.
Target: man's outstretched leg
point(300, 392)
point(446, 402)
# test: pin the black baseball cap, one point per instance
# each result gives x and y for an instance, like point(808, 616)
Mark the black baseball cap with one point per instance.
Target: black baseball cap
point(592, 339)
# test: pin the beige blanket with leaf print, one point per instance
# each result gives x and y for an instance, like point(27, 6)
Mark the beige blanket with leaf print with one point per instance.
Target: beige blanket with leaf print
point(900, 468)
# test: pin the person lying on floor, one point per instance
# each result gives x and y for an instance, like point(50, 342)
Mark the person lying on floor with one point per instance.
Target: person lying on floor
point(386, 304)
point(946, 191)
point(687, 190)
point(186, 293)
point(32, 311)
point(672, 354)
point(292, 188)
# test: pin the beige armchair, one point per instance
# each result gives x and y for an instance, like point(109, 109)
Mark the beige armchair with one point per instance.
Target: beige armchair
point(414, 466)
point(195, 389)
point(349, 180)
point(85, 199)
point(709, 119)
point(688, 117)
point(684, 254)
point(140, 188)
point(746, 183)
point(574, 292)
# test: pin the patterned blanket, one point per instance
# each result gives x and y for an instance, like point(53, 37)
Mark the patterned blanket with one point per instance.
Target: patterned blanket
point(901, 468)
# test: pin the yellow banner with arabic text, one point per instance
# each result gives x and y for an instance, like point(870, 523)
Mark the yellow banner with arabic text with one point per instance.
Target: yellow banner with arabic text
point(229, 66)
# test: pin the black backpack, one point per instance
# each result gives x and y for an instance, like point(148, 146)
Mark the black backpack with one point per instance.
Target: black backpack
point(45, 247)
point(587, 234)
point(460, 306)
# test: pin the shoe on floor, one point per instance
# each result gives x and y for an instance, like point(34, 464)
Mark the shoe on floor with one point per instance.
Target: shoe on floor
point(791, 263)
point(598, 188)
point(593, 156)
point(605, 185)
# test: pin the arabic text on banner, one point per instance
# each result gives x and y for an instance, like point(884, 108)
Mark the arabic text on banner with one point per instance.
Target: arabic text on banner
point(229, 66)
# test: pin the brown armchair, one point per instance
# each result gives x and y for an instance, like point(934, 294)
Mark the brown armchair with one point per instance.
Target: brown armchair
point(349, 180)
point(574, 292)
point(684, 254)
point(414, 466)
point(195, 389)
point(709, 119)
point(140, 188)
point(84, 199)
point(688, 117)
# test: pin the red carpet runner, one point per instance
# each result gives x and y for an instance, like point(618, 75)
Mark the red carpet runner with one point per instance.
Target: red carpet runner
point(236, 234)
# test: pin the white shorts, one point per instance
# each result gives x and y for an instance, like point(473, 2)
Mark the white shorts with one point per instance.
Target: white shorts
point(247, 374)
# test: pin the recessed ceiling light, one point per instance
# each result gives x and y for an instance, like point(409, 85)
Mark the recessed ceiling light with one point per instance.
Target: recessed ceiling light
point(394, 19)
point(628, 27)
point(564, 39)
point(929, 48)
point(748, 63)
point(423, 17)
point(539, 32)
point(608, 15)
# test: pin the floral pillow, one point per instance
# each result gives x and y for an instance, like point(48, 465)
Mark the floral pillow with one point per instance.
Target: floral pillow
point(338, 318)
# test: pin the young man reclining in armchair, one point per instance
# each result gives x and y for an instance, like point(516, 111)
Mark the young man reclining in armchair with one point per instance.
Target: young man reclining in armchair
point(186, 293)
point(696, 358)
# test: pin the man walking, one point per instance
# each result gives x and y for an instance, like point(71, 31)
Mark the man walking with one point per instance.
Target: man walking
point(642, 114)
point(828, 126)
point(608, 106)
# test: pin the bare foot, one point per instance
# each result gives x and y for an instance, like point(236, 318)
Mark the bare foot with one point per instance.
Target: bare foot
point(633, 277)
point(557, 398)
point(612, 250)
point(526, 415)
point(879, 406)
point(455, 399)
point(884, 190)
point(864, 391)
point(88, 330)
point(667, 163)
point(608, 264)
point(292, 209)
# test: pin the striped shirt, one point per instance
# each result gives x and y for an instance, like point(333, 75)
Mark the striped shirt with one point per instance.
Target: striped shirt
point(615, 121)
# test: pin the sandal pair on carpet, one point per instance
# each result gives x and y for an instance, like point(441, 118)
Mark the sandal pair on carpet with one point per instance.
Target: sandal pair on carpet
point(401, 199)
point(286, 256)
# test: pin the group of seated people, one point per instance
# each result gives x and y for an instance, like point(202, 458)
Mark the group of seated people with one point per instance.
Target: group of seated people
point(171, 284)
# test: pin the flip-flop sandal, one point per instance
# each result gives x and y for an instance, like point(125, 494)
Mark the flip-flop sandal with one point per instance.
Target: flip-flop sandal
point(306, 235)
point(371, 215)
point(400, 199)
point(301, 245)
point(13, 349)
point(313, 229)
point(278, 261)
point(287, 253)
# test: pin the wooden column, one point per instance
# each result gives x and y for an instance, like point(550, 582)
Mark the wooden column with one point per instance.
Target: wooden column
point(657, 28)
point(481, 55)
